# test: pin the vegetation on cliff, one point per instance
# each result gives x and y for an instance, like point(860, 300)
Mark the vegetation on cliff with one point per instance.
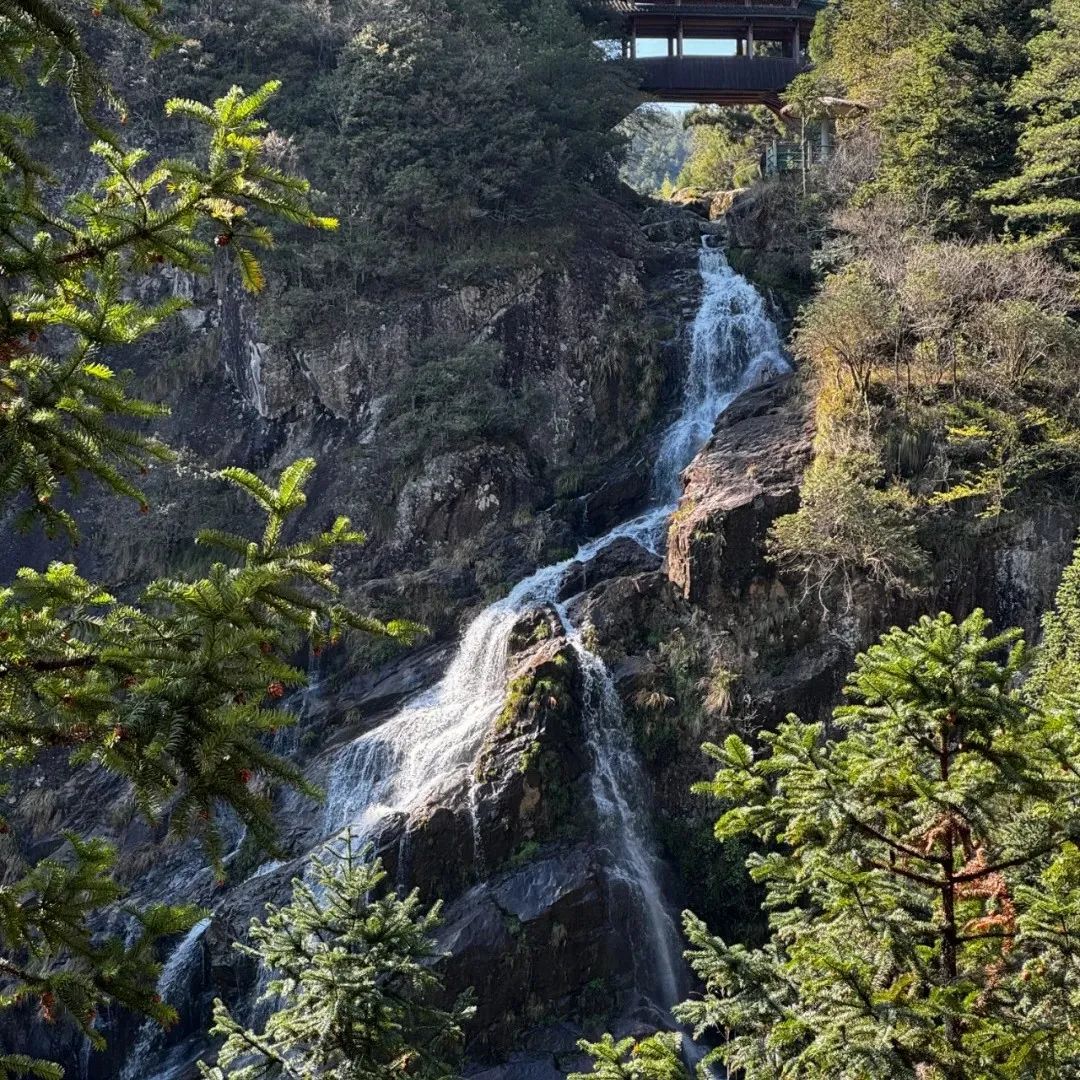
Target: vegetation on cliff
point(917, 853)
point(919, 850)
point(942, 339)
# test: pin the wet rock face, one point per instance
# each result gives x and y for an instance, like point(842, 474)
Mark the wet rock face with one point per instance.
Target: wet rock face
point(459, 494)
point(527, 919)
point(528, 942)
point(623, 558)
point(747, 476)
point(532, 771)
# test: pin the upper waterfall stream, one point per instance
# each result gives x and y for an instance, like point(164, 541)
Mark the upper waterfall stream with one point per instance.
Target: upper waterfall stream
point(396, 767)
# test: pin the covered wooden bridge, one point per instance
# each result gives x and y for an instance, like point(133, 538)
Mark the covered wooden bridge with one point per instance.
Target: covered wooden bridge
point(757, 47)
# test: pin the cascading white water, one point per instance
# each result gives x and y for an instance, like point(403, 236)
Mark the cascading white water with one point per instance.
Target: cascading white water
point(172, 983)
point(618, 789)
point(395, 767)
point(733, 345)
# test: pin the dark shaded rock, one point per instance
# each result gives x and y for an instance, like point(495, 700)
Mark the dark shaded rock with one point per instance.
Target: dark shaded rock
point(527, 940)
point(374, 692)
point(459, 493)
point(621, 559)
point(529, 775)
point(433, 849)
point(747, 476)
point(535, 626)
point(625, 610)
point(670, 223)
point(523, 1067)
point(624, 489)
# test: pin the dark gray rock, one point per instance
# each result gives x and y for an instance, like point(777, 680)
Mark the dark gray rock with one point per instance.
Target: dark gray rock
point(623, 558)
point(748, 475)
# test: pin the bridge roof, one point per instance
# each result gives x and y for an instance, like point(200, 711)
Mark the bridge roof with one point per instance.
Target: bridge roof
point(758, 10)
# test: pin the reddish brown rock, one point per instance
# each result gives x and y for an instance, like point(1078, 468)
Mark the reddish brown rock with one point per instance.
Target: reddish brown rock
point(747, 477)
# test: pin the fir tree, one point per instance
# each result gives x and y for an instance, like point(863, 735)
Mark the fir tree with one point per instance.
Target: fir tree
point(922, 879)
point(1057, 666)
point(173, 693)
point(655, 1058)
point(1042, 202)
point(936, 76)
point(176, 695)
point(353, 969)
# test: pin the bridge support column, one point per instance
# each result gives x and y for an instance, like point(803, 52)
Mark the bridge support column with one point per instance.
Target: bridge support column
point(796, 43)
point(679, 38)
point(750, 40)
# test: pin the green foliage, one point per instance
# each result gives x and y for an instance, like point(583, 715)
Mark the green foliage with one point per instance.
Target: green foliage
point(64, 413)
point(1042, 201)
point(921, 878)
point(950, 361)
point(1057, 665)
point(848, 528)
point(937, 77)
point(524, 112)
point(655, 1058)
point(726, 146)
point(172, 694)
point(448, 399)
point(1002, 455)
point(354, 980)
point(659, 145)
point(52, 954)
point(850, 327)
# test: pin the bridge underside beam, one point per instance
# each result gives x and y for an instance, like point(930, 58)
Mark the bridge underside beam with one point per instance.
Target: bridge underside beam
point(718, 80)
point(734, 98)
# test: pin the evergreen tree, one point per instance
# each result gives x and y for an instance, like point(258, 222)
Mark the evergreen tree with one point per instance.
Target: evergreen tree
point(461, 119)
point(1057, 666)
point(726, 146)
point(1042, 202)
point(922, 878)
point(173, 693)
point(654, 1058)
point(353, 970)
point(937, 77)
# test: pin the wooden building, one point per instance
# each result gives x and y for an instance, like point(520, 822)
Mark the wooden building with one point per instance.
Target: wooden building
point(768, 41)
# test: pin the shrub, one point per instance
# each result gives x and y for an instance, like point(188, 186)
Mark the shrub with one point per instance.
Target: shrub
point(848, 526)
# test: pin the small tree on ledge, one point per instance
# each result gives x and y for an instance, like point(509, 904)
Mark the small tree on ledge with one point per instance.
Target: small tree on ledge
point(353, 964)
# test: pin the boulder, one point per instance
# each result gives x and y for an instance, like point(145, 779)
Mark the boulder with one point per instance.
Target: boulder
point(530, 776)
point(623, 558)
point(622, 612)
point(747, 476)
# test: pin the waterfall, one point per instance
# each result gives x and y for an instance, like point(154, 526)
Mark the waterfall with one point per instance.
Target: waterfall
point(173, 985)
point(396, 767)
point(733, 346)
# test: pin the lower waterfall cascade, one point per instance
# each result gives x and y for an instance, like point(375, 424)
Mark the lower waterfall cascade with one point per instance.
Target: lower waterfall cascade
point(395, 768)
